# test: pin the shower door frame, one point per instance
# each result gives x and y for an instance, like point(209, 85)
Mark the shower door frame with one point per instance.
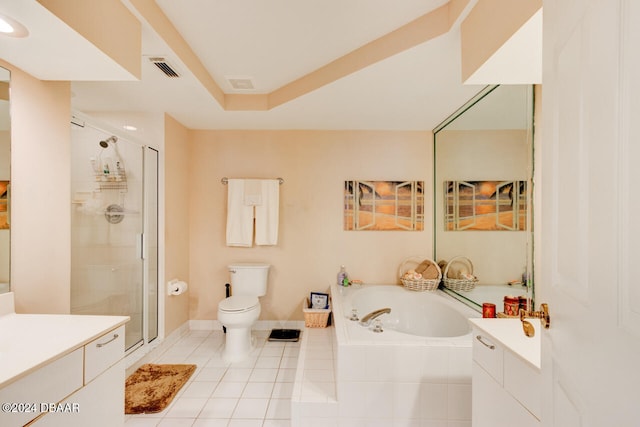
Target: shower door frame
point(143, 252)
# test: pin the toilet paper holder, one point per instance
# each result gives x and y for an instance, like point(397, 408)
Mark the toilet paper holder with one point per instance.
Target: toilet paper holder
point(176, 287)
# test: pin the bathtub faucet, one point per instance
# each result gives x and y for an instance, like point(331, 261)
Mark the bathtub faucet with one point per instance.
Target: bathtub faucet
point(366, 320)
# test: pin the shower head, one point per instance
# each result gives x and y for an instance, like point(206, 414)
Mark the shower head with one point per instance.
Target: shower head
point(105, 143)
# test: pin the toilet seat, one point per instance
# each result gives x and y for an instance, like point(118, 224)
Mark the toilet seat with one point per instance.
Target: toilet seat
point(238, 304)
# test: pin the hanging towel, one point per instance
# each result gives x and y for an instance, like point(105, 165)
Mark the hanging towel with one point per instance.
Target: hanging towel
point(252, 192)
point(239, 216)
point(267, 213)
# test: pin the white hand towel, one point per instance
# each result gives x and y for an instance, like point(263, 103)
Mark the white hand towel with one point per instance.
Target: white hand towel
point(239, 216)
point(267, 213)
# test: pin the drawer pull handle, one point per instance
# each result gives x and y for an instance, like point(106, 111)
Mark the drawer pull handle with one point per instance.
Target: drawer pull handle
point(115, 336)
point(490, 346)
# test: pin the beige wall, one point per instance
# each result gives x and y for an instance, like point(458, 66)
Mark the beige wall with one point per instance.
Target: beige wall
point(176, 231)
point(312, 244)
point(40, 162)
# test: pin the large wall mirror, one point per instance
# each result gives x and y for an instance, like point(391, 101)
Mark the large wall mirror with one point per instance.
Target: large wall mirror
point(483, 172)
point(5, 175)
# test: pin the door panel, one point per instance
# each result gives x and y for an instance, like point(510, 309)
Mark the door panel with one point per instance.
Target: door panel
point(589, 230)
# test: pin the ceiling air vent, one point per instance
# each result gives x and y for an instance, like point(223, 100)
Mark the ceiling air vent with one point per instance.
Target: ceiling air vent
point(241, 83)
point(164, 66)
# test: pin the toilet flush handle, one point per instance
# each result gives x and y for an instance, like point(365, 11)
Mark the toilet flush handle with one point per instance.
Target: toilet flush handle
point(232, 271)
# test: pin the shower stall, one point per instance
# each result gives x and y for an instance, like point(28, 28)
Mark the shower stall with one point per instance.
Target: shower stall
point(114, 231)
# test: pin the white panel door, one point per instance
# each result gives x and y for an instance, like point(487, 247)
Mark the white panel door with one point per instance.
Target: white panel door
point(590, 234)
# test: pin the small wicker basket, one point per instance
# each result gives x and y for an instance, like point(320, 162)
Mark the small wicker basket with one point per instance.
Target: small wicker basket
point(456, 284)
point(315, 317)
point(418, 284)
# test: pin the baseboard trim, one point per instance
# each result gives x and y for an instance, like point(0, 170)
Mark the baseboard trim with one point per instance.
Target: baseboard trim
point(260, 325)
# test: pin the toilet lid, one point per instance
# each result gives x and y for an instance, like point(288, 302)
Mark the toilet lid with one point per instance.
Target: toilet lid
point(238, 303)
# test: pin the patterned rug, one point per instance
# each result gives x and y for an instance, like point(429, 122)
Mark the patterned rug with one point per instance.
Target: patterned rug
point(151, 388)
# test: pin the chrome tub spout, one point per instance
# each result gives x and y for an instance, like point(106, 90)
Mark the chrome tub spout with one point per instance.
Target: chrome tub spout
point(366, 320)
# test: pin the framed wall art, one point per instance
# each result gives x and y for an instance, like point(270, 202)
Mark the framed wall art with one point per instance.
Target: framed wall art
point(384, 205)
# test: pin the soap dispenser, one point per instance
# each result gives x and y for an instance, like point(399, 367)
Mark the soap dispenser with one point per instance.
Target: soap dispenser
point(342, 276)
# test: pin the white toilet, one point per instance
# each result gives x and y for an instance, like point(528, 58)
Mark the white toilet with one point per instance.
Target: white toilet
point(239, 312)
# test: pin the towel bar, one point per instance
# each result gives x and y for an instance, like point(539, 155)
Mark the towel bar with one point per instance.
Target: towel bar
point(225, 180)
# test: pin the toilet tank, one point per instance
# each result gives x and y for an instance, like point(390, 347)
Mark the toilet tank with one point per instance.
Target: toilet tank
point(249, 278)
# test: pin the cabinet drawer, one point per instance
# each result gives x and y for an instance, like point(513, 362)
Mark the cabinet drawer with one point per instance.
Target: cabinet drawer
point(524, 382)
point(102, 353)
point(49, 384)
point(488, 354)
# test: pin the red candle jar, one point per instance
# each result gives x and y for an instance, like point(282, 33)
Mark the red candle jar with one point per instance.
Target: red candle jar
point(488, 310)
point(511, 305)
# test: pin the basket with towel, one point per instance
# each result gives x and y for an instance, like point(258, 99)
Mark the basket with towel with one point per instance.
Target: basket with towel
point(420, 274)
point(458, 274)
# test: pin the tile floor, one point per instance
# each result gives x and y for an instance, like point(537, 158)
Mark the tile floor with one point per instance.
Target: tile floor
point(255, 392)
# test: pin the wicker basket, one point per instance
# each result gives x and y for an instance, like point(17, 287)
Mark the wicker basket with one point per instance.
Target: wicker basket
point(418, 284)
point(315, 317)
point(456, 284)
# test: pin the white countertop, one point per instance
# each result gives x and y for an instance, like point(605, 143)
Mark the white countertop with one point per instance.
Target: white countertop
point(508, 332)
point(30, 341)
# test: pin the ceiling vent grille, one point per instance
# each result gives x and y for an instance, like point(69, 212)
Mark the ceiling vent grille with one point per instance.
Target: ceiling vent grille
point(241, 83)
point(164, 66)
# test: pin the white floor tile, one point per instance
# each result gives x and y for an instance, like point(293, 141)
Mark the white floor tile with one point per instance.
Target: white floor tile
point(254, 392)
point(251, 409)
point(237, 374)
point(229, 389)
point(185, 407)
point(211, 422)
point(286, 375)
point(279, 409)
point(245, 423)
point(176, 422)
point(276, 423)
point(199, 389)
point(282, 390)
point(266, 362)
point(142, 422)
point(219, 407)
point(272, 349)
point(289, 362)
point(210, 374)
point(258, 390)
point(263, 375)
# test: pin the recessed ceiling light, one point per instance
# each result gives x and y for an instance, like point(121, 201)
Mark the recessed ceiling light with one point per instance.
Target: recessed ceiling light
point(129, 127)
point(12, 28)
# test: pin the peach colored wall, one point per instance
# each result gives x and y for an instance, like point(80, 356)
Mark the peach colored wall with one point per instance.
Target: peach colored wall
point(312, 244)
point(176, 211)
point(40, 169)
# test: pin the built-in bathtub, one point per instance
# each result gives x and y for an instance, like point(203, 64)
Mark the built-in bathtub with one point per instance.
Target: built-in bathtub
point(417, 371)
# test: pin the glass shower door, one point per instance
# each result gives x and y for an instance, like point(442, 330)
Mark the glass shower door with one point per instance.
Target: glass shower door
point(107, 266)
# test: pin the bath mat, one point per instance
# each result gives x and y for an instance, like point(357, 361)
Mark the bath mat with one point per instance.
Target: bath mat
point(288, 335)
point(151, 387)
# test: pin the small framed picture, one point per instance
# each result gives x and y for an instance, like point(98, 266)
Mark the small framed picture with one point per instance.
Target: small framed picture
point(319, 301)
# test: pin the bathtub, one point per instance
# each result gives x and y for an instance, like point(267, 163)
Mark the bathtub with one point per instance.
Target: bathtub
point(417, 371)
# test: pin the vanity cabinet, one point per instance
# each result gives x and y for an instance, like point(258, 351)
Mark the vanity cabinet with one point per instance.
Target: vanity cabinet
point(505, 386)
point(100, 401)
point(61, 370)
